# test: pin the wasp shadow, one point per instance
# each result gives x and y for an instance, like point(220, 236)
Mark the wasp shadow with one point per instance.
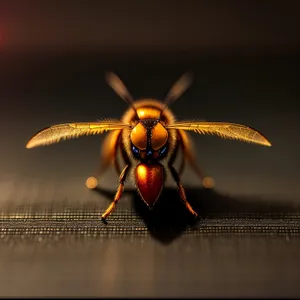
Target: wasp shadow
point(169, 217)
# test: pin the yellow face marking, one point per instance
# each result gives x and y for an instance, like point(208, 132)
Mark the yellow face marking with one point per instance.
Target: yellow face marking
point(138, 136)
point(159, 136)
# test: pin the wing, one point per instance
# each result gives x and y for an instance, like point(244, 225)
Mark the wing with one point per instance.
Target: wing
point(56, 133)
point(224, 130)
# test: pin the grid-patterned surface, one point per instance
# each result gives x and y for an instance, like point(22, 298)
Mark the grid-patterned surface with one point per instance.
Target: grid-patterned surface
point(218, 215)
point(124, 224)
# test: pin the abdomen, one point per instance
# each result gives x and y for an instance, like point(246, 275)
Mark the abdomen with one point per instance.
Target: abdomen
point(150, 179)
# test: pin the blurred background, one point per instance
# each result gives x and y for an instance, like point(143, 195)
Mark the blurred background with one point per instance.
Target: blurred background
point(245, 61)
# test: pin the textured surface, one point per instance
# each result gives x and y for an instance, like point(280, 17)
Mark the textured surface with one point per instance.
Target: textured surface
point(233, 250)
point(246, 241)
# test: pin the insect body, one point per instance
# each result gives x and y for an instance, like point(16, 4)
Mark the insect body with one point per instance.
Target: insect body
point(147, 135)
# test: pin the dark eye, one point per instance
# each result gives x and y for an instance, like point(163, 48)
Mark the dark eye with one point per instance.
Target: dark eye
point(163, 151)
point(135, 151)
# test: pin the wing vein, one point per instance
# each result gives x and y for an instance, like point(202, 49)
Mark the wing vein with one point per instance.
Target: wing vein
point(224, 130)
point(56, 133)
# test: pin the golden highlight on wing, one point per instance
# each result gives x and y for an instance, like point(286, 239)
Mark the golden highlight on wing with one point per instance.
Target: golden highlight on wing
point(224, 130)
point(56, 133)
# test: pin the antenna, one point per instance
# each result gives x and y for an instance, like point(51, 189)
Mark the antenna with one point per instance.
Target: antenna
point(178, 88)
point(119, 87)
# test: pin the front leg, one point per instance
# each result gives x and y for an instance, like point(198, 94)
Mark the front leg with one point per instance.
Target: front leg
point(182, 191)
point(118, 193)
point(177, 180)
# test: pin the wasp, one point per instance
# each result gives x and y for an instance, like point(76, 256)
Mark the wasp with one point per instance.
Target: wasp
point(149, 139)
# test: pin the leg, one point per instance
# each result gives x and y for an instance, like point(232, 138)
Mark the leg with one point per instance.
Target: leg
point(189, 154)
point(124, 153)
point(183, 158)
point(108, 156)
point(118, 193)
point(179, 185)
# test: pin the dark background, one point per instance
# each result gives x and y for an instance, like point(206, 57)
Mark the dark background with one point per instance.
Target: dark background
point(245, 60)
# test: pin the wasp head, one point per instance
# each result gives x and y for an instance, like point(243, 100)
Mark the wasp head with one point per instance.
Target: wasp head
point(149, 136)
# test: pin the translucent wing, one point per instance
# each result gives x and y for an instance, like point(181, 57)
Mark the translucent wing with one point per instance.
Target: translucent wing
point(224, 130)
point(56, 133)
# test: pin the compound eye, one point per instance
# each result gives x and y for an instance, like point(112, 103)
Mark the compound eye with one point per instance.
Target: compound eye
point(138, 136)
point(159, 136)
point(163, 151)
point(136, 151)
